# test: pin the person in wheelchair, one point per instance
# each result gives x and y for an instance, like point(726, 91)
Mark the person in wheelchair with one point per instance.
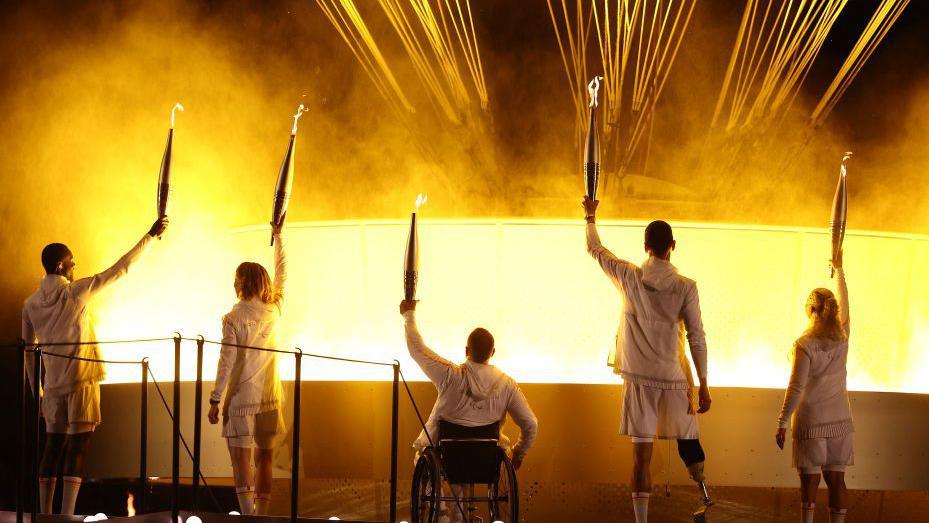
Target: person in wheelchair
point(474, 399)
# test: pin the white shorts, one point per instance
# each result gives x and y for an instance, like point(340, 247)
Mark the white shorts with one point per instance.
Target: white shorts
point(73, 413)
point(650, 412)
point(812, 456)
point(256, 430)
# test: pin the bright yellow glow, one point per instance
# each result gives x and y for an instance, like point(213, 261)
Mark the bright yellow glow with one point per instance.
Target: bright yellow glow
point(531, 282)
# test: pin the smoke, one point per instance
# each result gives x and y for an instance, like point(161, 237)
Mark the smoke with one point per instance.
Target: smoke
point(88, 90)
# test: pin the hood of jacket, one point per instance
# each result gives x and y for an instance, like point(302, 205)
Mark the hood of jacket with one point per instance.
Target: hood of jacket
point(483, 381)
point(658, 273)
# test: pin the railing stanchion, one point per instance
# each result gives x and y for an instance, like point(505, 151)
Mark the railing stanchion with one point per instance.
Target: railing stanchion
point(176, 434)
point(198, 411)
point(394, 430)
point(21, 434)
point(36, 421)
point(295, 463)
point(143, 439)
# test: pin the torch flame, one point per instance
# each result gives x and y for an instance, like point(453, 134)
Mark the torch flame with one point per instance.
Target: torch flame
point(177, 106)
point(300, 110)
point(848, 154)
point(592, 89)
point(130, 507)
point(420, 200)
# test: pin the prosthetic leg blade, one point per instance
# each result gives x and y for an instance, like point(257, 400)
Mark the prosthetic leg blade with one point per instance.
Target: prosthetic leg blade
point(700, 513)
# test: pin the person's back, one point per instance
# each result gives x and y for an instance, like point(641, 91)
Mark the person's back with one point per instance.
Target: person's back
point(823, 407)
point(472, 394)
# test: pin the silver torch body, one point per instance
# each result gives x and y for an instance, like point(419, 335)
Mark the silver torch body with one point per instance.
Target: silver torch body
point(592, 156)
point(839, 213)
point(285, 183)
point(164, 178)
point(411, 261)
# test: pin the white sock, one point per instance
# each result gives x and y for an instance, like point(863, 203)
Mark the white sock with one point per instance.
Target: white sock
point(262, 503)
point(807, 512)
point(69, 489)
point(640, 505)
point(46, 494)
point(246, 497)
point(837, 515)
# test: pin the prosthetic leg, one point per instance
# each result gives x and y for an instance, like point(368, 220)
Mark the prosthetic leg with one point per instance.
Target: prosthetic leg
point(691, 453)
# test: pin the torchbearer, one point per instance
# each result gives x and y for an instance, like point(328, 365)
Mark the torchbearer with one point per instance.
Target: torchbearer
point(164, 177)
point(285, 177)
point(411, 258)
point(839, 214)
point(592, 143)
point(659, 303)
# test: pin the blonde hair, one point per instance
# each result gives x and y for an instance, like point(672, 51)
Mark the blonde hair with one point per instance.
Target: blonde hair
point(823, 311)
point(252, 281)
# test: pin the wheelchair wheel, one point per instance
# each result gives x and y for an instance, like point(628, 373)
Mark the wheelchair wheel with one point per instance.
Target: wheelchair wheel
point(504, 494)
point(424, 496)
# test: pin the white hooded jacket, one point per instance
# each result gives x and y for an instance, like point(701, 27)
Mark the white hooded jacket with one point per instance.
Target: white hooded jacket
point(658, 306)
point(471, 394)
point(250, 378)
point(59, 312)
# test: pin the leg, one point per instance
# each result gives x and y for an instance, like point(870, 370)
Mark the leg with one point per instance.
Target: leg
point(76, 444)
point(262, 480)
point(48, 470)
point(691, 452)
point(641, 477)
point(809, 484)
point(838, 494)
point(242, 474)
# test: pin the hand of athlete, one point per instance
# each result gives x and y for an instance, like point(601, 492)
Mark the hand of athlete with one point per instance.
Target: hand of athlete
point(837, 262)
point(780, 437)
point(276, 228)
point(590, 206)
point(214, 413)
point(704, 399)
point(408, 305)
point(159, 227)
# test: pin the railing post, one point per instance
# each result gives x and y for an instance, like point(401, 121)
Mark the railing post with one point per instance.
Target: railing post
point(176, 434)
point(37, 419)
point(198, 411)
point(143, 439)
point(21, 434)
point(295, 463)
point(394, 430)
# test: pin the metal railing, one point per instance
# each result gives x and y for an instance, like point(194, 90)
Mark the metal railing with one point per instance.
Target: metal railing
point(35, 349)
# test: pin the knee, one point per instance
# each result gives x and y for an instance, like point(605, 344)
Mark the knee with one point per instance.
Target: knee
point(263, 456)
point(690, 451)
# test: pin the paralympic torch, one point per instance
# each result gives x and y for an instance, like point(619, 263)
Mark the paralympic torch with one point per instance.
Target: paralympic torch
point(285, 177)
point(164, 176)
point(839, 213)
point(592, 144)
point(411, 259)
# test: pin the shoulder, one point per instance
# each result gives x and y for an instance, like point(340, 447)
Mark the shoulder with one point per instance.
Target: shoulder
point(806, 345)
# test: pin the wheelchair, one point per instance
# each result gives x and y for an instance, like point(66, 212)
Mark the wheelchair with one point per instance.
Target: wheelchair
point(466, 457)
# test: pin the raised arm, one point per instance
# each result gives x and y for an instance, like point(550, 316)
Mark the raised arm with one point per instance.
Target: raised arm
point(434, 366)
point(843, 300)
point(280, 266)
point(614, 267)
point(799, 376)
point(227, 357)
point(87, 288)
point(519, 409)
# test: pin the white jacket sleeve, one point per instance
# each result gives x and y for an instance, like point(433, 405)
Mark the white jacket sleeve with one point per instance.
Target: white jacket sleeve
point(227, 357)
point(86, 288)
point(843, 302)
point(696, 338)
point(519, 409)
point(28, 335)
point(434, 366)
point(799, 376)
point(280, 267)
point(614, 267)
